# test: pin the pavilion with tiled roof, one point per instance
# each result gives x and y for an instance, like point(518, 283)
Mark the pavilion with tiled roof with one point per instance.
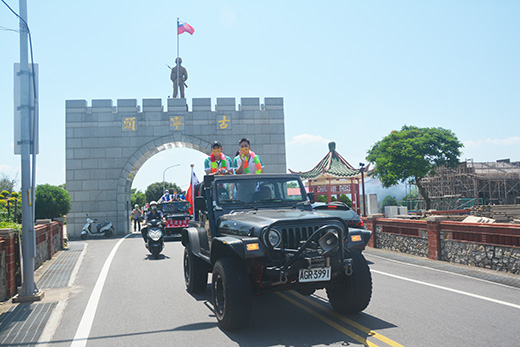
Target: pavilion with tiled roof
point(333, 175)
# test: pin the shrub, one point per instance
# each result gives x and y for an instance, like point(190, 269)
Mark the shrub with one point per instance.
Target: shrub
point(388, 200)
point(3, 203)
point(51, 201)
point(15, 194)
point(345, 199)
point(5, 193)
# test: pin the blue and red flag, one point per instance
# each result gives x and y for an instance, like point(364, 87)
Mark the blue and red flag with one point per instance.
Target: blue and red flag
point(184, 28)
point(189, 194)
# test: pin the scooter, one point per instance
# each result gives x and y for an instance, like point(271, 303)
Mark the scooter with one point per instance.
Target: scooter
point(104, 229)
point(155, 237)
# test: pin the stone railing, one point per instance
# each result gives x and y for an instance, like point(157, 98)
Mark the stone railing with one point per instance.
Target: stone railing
point(493, 246)
point(49, 240)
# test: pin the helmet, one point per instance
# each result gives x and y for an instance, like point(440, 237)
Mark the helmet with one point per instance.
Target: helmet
point(136, 206)
point(153, 203)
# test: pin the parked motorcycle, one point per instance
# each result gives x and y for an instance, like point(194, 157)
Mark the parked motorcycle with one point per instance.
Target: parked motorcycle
point(155, 237)
point(104, 229)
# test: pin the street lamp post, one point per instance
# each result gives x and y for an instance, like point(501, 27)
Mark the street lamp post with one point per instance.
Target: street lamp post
point(362, 169)
point(163, 183)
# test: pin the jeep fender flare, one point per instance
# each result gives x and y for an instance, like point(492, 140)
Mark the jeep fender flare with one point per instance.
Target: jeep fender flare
point(190, 239)
point(226, 247)
point(358, 238)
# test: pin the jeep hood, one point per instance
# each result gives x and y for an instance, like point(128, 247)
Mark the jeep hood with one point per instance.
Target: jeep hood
point(251, 222)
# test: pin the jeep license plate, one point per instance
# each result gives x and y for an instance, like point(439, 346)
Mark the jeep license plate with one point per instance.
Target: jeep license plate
point(314, 275)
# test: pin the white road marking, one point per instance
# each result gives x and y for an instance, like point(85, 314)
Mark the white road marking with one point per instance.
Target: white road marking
point(449, 289)
point(81, 337)
point(443, 271)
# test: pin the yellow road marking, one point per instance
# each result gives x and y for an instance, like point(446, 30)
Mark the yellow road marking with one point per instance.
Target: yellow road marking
point(348, 321)
point(328, 321)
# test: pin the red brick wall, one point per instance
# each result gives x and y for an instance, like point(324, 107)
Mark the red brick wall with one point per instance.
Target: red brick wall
point(8, 243)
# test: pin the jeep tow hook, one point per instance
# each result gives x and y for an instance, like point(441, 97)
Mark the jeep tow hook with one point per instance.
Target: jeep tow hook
point(283, 277)
point(347, 265)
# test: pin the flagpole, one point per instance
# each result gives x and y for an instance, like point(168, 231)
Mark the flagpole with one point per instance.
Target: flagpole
point(178, 85)
point(192, 190)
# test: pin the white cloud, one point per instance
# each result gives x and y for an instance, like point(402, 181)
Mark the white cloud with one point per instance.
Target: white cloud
point(509, 141)
point(492, 149)
point(305, 139)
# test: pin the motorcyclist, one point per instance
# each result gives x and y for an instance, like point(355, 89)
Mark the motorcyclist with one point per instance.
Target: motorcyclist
point(153, 214)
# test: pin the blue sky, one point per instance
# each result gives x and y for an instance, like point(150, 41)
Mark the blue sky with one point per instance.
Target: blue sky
point(349, 71)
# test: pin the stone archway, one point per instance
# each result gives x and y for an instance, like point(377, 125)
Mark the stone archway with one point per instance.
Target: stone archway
point(106, 145)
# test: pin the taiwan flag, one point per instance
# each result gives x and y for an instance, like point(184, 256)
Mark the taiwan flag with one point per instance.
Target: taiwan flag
point(184, 28)
point(189, 194)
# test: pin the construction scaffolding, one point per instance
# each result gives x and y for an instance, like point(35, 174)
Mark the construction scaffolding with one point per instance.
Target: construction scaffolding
point(470, 184)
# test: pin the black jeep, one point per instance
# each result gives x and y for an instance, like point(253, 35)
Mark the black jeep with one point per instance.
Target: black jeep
point(259, 233)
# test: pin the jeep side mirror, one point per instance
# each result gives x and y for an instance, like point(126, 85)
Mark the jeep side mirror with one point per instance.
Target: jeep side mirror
point(200, 203)
point(311, 197)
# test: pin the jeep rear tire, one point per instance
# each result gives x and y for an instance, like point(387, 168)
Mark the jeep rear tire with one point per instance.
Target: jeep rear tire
point(231, 293)
point(351, 294)
point(195, 272)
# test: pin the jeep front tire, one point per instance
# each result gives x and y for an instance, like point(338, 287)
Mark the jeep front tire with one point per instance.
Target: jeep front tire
point(231, 293)
point(351, 294)
point(195, 272)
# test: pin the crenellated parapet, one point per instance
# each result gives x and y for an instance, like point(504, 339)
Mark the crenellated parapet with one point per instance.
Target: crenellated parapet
point(173, 105)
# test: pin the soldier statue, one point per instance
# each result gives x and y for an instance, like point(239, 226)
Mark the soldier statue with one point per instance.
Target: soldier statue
point(183, 76)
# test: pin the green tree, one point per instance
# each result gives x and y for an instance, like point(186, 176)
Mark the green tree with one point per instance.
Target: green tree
point(388, 200)
point(6, 183)
point(155, 190)
point(51, 201)
point(345, 199)
point(137, 197)
point(413, 153)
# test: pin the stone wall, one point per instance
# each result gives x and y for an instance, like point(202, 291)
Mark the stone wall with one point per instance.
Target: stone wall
point(492, 257)
point(400, 243)
point(106, 145)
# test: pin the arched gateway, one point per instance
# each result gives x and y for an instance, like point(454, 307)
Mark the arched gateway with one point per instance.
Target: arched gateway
point(106, 145)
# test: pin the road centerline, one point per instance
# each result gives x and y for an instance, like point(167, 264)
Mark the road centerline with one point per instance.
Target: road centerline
point(356, 325)
point(328, 321)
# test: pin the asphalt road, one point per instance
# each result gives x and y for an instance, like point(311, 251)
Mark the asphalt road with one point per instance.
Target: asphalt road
point(143, 302)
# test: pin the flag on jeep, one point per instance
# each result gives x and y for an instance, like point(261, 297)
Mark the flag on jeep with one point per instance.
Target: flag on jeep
point(189, 194)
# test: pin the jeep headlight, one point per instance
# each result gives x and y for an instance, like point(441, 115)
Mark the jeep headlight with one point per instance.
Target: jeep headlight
point(274, 237)
point(155, 234)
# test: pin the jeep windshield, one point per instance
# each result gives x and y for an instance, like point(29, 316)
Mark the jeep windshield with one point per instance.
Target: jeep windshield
point(257, 190)
point(175, 207)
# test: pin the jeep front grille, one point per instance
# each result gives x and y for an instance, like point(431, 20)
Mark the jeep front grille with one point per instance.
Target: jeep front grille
point(293, 235)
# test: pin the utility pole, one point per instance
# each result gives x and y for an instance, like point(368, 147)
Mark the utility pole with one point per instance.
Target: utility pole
point(29, 290)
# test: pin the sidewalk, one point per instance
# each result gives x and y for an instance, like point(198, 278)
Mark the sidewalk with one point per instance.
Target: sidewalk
point(27, 324)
